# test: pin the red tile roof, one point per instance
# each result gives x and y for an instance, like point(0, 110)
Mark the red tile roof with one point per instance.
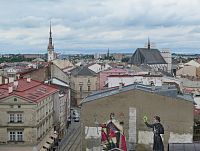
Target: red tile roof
point(33, 91)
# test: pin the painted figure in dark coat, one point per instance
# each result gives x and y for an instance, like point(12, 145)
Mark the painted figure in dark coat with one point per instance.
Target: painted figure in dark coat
point(157, 130)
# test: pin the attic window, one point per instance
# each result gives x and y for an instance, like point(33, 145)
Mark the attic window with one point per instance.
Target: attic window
point(15, 99)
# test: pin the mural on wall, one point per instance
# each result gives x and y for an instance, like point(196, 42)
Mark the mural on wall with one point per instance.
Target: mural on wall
point(112, 135)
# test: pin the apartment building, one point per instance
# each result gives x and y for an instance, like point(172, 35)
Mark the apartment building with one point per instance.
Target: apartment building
point(26, 114)
point(83, 81)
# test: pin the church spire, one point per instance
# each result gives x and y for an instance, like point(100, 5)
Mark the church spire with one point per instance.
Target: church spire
point(50, 31)
point(108, 53)
point(50, 45)
point(149, 44)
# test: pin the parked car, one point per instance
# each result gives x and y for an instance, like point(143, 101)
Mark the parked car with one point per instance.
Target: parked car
point(75, 114)
point(77, 119)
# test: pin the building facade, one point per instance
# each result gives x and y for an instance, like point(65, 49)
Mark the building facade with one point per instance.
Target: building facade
point(83, 81)
point(130, 104)
point(103, 76)
point(26, 109)
point(117, 80)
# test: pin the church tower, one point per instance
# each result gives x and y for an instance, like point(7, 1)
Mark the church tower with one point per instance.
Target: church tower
point(50, 49)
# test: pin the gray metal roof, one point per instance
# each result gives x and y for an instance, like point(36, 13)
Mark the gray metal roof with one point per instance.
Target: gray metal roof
point(147, 56)
point(82, 71)
point(165, 90)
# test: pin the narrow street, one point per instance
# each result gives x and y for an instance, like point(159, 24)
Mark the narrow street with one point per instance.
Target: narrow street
point(72, 140)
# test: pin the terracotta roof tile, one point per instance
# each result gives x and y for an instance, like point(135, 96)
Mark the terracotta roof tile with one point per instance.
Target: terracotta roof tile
point(33, 91)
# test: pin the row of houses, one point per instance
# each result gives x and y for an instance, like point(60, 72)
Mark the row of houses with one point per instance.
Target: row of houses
point(35, 107)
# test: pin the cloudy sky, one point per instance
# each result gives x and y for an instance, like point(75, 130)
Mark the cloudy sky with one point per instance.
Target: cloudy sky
point(82, 26)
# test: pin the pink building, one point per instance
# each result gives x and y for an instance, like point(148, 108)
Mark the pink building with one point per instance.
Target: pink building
point(104, 74)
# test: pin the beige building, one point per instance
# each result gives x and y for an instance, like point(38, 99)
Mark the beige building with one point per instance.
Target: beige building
point(189, 69)
point(130, 104)
point(61, 106)
point(26, 115)
point(83, 81)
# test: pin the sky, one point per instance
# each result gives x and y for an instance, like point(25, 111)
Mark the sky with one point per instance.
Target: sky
point(89, 26)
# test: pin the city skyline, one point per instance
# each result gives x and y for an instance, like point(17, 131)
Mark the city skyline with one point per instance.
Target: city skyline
point(82, 26)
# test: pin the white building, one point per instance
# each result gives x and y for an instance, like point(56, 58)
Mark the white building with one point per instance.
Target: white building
point(117, 80)
point(166, 54)
point(97, 67)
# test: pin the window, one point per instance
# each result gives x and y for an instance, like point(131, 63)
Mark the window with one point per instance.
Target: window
point(12, 136)
point(20, 136)
point(81, 88)
point(15, 136)
point(19, 118)
point(15, 99)
point(15, 117)
point(88, 80)
point(81, 91)
point(12, 118)
point(88, 88)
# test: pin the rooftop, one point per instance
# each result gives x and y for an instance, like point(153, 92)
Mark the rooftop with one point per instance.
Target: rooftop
point(165, 90)
point(82, 71)
point(147, 56)
point(28, 89)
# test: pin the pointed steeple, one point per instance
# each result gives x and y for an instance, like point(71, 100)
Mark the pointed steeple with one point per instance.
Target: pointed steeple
point(108, 53)
point(149, 44)
point(50, 45)
point(50, 31)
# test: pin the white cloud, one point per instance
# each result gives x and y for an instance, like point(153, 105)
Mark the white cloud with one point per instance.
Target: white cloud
point(98, 24)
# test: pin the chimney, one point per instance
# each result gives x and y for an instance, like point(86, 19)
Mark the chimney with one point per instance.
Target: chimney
point(10, 89)
point(6, 81)
point(15, 84)
point(28, 80)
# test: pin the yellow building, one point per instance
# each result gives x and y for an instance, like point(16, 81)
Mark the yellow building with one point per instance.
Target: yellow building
point(83, 81)
point(26, 114)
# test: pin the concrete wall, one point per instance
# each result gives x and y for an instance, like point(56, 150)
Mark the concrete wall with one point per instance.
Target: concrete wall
point(58, 73)
point(176, 115)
